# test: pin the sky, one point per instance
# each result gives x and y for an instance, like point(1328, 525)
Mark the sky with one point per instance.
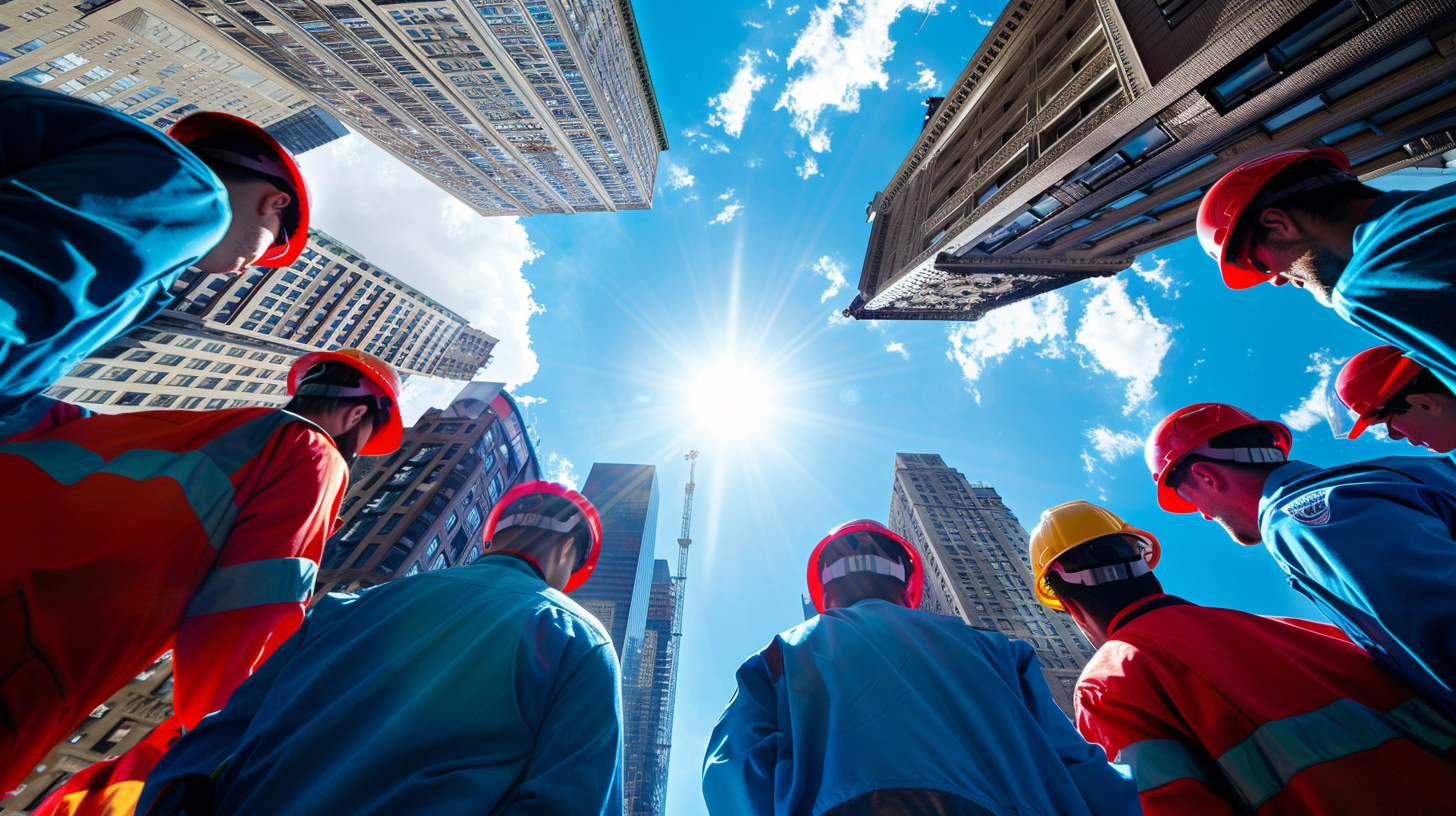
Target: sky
point(712, 322)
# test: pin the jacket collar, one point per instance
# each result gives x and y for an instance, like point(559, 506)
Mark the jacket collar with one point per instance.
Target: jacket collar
point(1141, 607)
point(533, 564)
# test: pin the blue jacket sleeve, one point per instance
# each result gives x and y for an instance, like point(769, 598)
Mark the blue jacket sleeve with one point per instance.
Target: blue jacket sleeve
point(216, 738)
point(576, 764)
point(98, 215)
point(738, 771)
point(1107, 789)
point(1385, 554)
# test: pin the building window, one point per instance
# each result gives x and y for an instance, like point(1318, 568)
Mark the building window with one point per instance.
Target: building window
point(424, 454)
point(222, 368)
point(391, 524)
point(381, 502)
point(450, 521)
point(114, 737)
point(196, 365)
point(170, 359)
point(162, 401)
point(95, 395)
point(1309, 36)
point(151, 377)
point(209, 382)
point(213, 348)
point(233, 385)
point(191, 403)
point(141, 356)
point(132, 398)
point(118, 374)
point(358, 528)
point(495, 488)
point(472, 519)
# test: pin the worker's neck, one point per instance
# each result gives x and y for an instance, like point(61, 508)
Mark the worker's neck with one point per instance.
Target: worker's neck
point(1097, 622)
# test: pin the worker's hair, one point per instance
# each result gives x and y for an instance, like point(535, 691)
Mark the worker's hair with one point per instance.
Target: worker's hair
point(313, 406)
point(1103, 601)
point(850, 589)
point(1249, 436)
point(533, 541)
point(1328, 204)
point(228, 172)
point(1423, 383)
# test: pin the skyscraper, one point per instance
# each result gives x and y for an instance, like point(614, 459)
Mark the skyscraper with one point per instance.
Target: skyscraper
point(422, 507)
point(977, 566)
point(647, 720)
point(307, 129)
point(1083, 133)
point(228, 340)
point(619, 591)
point(112, 729)
point(515, 107)
point(149, 60)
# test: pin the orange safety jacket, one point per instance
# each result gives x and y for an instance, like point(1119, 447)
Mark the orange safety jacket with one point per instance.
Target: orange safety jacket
point(128, 535)
point(1222, 712)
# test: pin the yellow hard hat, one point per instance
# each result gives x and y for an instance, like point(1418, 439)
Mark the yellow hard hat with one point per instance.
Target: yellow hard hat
point(1068, 526)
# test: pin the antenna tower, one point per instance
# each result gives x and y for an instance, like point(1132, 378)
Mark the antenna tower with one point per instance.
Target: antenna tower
point(679, 592)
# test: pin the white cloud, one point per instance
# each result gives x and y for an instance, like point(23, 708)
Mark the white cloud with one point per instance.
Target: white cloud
point(731, 107)
point(791, 11)
point(925, 82)
point(1124, 339)
point(1041, 320)
point(837, 66)
point(727, 195)
point(978, 18)
point(1157, 274)
point(1314, 408)
point(560, 469)
point(898, 348)
point(754, 162)
point(833, 271)
point(839, 318)
point(678, 177)
point(752, 24)
point(771, 54)
point(414, 230)
point(1113, 445)
point(526, 400)
point(808, 169)
point(729, 213)
point(690, 132)
point(714, 147)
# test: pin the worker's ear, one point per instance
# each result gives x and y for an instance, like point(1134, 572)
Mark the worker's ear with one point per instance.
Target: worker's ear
point(354, 416)
point(1206, 476)
point(273, 201)
point(1281, 224)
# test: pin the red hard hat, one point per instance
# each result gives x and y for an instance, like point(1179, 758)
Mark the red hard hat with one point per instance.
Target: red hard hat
point(1370, 379)
point(386, 437)
point(588, 510)
point(1187, 428)
point(213, 123)
point(914, 582)
point(1226, 201)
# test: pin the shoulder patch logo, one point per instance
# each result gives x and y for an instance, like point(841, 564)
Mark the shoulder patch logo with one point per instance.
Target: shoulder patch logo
point(1312, 509)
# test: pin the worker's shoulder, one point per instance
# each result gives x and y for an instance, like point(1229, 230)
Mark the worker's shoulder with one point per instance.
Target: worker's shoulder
point(1308, 496)
point(572, 617)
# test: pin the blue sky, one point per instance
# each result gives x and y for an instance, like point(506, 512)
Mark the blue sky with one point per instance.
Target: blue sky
point(709, 322)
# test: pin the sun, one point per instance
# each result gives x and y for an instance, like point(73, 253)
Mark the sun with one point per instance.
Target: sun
point(732, 397)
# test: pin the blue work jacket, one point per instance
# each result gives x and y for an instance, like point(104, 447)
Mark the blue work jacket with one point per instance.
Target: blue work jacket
point(477, 689)
point(877, 696)
point(1371, 544)
point(99, 214)
point(1400, 285)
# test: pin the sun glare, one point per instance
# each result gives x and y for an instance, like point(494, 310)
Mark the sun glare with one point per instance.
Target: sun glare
point(732, 398)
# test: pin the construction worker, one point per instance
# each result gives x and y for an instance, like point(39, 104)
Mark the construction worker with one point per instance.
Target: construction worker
point(1383, 261)
point(874, 707)
point(1385, 387)
point(1370, 544)
point(99, 215)
point(196, 531)
point(1221, 712)
point(481, 689)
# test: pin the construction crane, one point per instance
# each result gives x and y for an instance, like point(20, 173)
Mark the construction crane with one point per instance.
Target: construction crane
point(674, 646)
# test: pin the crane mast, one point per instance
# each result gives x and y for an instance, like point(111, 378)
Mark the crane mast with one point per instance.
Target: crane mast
point(679, 591)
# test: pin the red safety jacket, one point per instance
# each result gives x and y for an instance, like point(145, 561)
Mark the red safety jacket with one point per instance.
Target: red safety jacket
point(128, 535)
point(1222, 712)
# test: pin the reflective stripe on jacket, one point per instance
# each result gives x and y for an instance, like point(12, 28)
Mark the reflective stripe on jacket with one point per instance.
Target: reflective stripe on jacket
point(130, 534)
point(1220, 712)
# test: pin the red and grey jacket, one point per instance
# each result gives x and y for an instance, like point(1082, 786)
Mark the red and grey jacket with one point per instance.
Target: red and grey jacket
point(128, 535)
point(1222, 712)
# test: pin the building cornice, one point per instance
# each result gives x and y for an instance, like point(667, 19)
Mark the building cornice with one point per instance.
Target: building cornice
point(639, 60)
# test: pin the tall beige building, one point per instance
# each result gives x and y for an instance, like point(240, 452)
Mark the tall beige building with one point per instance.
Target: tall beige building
point(515, 107)
point(1083, 133)
point(148, 59)
point(112, 729)
point(228, 340)
point(977, 566)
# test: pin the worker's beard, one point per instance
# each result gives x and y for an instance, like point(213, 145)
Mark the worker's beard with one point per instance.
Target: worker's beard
point(1243, 531)
point(348, 444)
point(1319, 269)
